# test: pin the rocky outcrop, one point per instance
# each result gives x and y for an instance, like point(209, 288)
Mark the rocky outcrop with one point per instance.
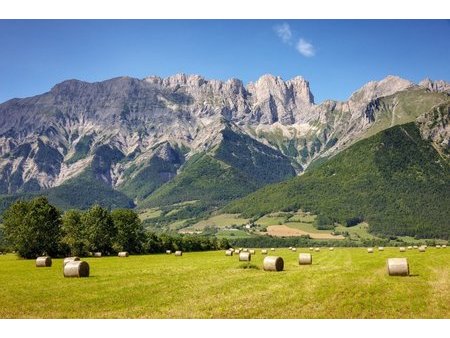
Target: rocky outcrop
point(120, 126)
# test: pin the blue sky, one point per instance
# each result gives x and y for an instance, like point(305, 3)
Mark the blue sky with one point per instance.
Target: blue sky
point(336, 56)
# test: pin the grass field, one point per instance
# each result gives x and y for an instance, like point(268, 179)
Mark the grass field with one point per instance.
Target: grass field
point(221, 221)
point(345, 283)
point(360, 231)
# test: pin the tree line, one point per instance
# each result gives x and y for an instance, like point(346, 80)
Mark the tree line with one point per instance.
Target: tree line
point(36, 227)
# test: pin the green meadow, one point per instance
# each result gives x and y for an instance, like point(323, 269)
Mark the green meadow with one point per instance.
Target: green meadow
point(344, 283)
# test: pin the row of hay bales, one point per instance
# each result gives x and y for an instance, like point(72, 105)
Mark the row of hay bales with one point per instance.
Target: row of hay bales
point(73, 266)
point(421, 248)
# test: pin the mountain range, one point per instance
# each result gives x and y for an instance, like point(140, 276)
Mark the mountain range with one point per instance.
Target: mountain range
point(129, 142)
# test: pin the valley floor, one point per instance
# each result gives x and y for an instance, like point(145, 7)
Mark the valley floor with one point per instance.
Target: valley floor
point(344, 283)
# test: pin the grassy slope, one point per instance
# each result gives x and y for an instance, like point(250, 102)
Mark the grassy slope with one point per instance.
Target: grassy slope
point(79, 192)
point(395, 180)
point(403, 107)
point(205, 179)
point(346, 283)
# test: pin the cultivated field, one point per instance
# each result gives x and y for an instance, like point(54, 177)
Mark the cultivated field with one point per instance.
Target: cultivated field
point(344, 283)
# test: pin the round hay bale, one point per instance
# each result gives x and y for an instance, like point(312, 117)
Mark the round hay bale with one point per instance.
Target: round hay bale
point(443, 246)
point(438, 246)
point(168, 252)
point(70, 259)
point(178, 253)
point(422, 249)
point(252, 252)
point(294, 249)
point(123, 254)
point(43, 262)
point(272, 249)
point(290, 248)
point(317, 249)
point(245, 250)
point(228, 253)
point(380, 248)
point(398, 267)
point(305, 259)
point(264, 251)
point(237, 251)
point(97, 254)
point(231, 249)
point(76, 269)
point(415, 246)
point(331, 249)
point(311, 249)
point(245, 256)
point(409, 247)
point(402, 249)
point(273, 263)
point(369, 250)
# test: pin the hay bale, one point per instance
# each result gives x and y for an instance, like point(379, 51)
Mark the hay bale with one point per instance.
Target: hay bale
point(123, 254)
point(168, 252)
point(317, 249)
point(402, 249)
point(178, 253)
point(76, 269)
point(438, 246)
point(238, 251)
point(294, 249)
point(311, 249)
point(290, 248)
point(70, 259)
point(231, 249)
point(228, 253)
point(264, 251)
point(272, 249)
point(380, 248)
point(245, 256)
point(415, 246)
point(422, 249)
point(245, 250)
point(273, 263)
point(409, 247)
point(97, 254)
point(398, 267)
point(252, 252)
point(331, 249)
point(443, 246)
point(43, 262)
point(369, 250)
point(305, 259)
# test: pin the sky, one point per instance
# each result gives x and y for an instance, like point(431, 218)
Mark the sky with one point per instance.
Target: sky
point(336, 56)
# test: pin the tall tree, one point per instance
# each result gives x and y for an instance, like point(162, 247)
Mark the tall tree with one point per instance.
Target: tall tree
point(100, 229)
point(74, 233)
point(33, 227)
point(130, 232)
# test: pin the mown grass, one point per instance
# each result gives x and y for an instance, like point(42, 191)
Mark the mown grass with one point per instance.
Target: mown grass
point(344, 283)
point(307, 227)
point(221, 221)
point(359, 231)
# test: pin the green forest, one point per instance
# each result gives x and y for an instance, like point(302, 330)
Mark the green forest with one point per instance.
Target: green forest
point(394, 180)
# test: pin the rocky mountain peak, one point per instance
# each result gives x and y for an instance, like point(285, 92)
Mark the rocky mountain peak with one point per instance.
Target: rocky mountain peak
point(435, 86)
point(375, 89)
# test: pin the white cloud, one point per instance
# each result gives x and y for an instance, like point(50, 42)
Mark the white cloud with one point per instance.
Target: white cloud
point(284, 32)
point(305, 48)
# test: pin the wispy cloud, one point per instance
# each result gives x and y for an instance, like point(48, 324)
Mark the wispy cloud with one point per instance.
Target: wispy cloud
point(305, 48)
point(284, 32)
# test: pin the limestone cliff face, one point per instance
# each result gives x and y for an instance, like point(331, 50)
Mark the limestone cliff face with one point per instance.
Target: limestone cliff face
point(116, 127)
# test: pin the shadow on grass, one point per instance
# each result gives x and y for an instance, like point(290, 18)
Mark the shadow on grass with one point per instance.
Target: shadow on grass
point(248, 266)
